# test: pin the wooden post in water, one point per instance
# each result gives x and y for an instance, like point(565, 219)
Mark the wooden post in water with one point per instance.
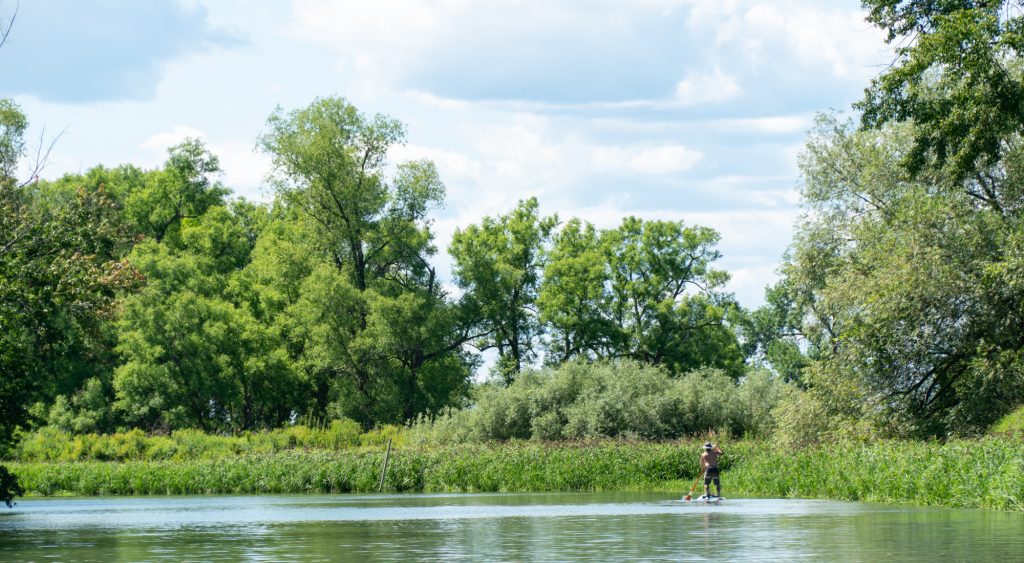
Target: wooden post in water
point(384, 470)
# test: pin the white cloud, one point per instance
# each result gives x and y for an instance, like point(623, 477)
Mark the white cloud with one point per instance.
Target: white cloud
point(372, 37)
point(164, 140)
point(660, 159)
point(814, 33)
point(773, 125)
point(714, 87)
point(749, 282)
point(244, 168)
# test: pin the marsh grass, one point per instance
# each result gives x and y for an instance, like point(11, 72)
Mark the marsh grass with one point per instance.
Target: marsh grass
point(985, 473)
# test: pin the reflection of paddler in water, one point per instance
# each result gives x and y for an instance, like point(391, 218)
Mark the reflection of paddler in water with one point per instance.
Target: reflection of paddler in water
point(710, 534)
point(709, 465)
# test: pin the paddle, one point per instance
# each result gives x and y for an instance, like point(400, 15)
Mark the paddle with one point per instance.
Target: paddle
point(689, 496)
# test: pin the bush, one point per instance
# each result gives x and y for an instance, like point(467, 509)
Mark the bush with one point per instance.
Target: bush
point(625, 399)
point(801, 418)
point(344, 433)
point(46, 444)
point(52, 444)
point(379, 437)
point(88, 410)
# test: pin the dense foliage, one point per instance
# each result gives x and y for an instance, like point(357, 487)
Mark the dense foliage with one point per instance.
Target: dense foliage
point(152, 299)
point(49, 444)
point(623, 399)
point(903, 283)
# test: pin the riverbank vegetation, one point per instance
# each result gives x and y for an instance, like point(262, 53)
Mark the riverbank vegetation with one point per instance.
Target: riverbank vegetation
point(922, 473)
point(151, 316)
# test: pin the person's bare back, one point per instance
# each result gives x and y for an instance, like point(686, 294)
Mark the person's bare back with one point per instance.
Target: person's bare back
point(709, 466)
point(710, 458)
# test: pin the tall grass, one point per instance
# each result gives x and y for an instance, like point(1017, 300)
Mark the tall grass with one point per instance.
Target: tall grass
point(1012, 423)
point(53, 445)
point(985, 473)
point(510, 467)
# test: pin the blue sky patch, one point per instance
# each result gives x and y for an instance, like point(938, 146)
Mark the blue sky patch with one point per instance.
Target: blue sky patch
point(72, 51)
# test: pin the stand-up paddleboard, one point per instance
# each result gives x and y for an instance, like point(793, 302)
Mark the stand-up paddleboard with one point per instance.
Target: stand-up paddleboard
point(710, 499)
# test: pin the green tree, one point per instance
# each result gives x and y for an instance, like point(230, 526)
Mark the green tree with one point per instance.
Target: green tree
point(902, 281)
point(665, 297)
point(574, 299)
point(330, 162)
point(192, 356)
point(376, 336)
point(957, 74)
point(183, 189)
point(772, 334)
point(83, 373)
point(645, 290)
point(498, 265)
point(12, 141)
point(56, 284)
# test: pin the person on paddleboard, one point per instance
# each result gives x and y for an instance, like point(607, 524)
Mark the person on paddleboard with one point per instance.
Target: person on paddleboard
point(709, 465)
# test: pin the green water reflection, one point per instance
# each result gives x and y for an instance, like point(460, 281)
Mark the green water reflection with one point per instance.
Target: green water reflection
point(514, 527)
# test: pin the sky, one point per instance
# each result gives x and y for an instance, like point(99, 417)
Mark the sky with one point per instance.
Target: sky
point(692, 110)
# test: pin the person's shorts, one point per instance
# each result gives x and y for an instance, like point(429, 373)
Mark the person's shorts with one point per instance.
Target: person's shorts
point(711, 474)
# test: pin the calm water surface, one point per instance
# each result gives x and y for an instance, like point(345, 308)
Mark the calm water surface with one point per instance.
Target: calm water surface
point(498, 527)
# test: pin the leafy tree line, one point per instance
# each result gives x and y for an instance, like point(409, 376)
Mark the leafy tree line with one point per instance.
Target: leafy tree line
point(645, 290)
point(153, 299)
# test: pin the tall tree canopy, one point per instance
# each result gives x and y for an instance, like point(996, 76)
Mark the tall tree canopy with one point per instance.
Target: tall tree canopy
point(498, 264)
point(645, 290)
point(58, 281)
point(957, 74)
point(906, 285)
point(381, 340)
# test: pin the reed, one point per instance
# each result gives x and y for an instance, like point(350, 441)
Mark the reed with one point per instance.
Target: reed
point(980, 473)
point(986, 473)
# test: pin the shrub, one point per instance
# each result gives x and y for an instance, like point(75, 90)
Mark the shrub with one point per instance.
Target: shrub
point(801, 418)
point(379, 436)
point(46, 444)
point(344, 433)
point(581, 400)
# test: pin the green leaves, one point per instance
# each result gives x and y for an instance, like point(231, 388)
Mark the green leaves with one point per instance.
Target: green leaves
point(498, 264)
point(364, 312)
point(232, 315)
point(12, 140)
point(645, 290)
point(183, 189)
point(195, 354)
point(899, 283)
point(957, 74)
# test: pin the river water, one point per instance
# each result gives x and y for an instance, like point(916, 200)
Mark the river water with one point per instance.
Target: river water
point(498, 527)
